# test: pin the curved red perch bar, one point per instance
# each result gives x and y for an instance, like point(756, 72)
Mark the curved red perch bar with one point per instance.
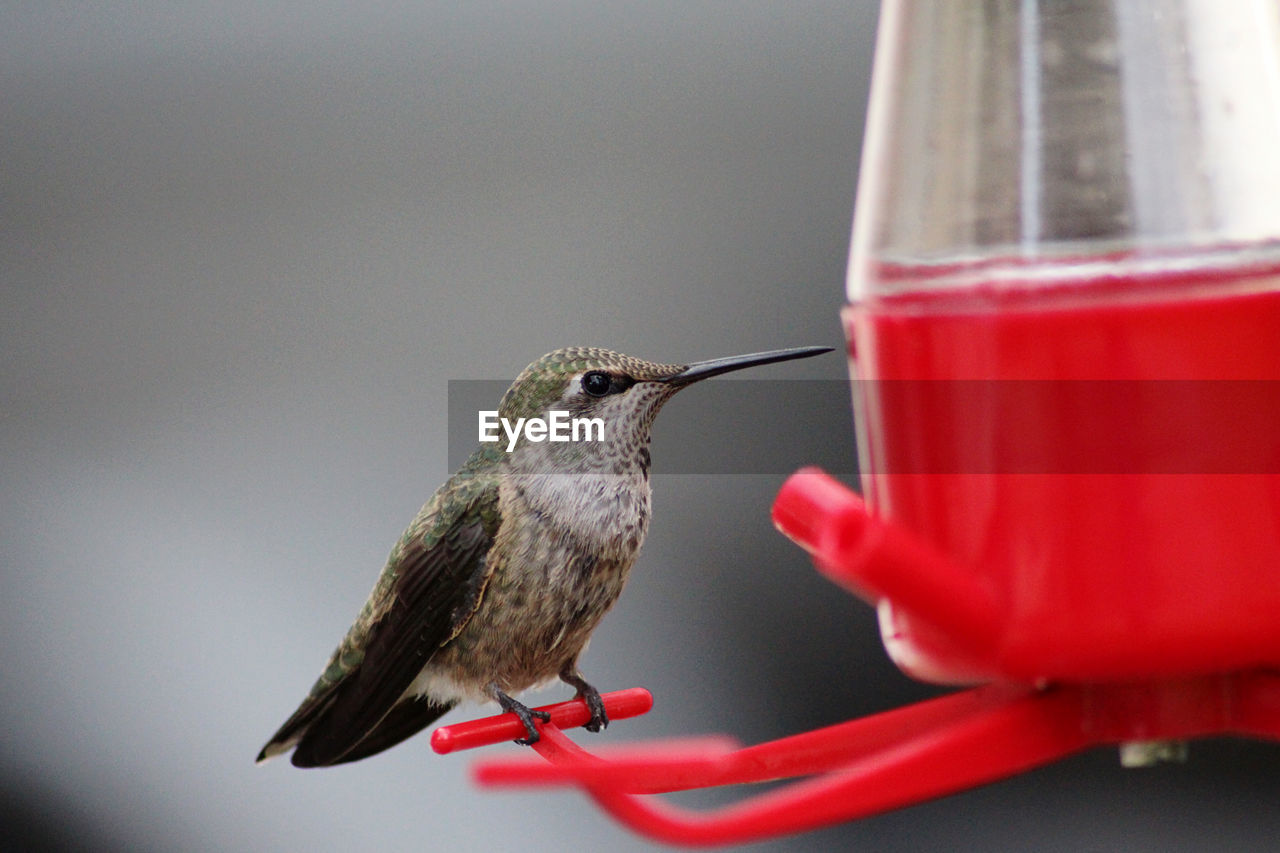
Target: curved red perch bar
point(892, 759)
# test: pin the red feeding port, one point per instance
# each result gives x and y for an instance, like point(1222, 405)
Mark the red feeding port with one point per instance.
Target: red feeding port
point(1064, 341)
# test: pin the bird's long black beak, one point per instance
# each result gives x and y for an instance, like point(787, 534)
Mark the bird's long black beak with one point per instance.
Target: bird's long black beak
point(716, 366)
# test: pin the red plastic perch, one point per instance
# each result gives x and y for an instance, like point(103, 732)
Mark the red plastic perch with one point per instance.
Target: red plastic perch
point(619, 705)
point(868, 766)
point(888, 760)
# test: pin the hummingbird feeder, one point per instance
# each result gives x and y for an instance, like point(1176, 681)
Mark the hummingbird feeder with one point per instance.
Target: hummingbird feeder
point(1064, 341)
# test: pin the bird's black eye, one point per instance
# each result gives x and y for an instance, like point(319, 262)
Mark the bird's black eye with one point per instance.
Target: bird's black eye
point(596, 383)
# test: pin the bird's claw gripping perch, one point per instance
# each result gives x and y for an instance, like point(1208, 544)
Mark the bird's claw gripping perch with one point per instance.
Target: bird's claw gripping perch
point(525, 714)
point(533, 735)
point(599, 715)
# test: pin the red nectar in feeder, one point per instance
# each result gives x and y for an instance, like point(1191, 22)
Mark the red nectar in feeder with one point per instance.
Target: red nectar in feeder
point(1101, 461)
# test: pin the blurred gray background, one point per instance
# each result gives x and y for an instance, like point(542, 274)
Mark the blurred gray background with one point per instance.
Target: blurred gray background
point(244, 249)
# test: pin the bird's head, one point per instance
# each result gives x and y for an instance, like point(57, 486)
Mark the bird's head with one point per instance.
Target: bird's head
point(614, 398)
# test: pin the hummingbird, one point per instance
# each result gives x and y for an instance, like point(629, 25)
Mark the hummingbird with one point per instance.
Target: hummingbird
point(498, 583)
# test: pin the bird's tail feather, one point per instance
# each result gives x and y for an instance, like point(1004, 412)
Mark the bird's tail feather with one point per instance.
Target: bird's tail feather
point(408, 717)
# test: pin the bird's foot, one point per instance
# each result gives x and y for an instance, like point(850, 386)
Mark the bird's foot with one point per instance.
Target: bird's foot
point(599, 717)
point(526, 715)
